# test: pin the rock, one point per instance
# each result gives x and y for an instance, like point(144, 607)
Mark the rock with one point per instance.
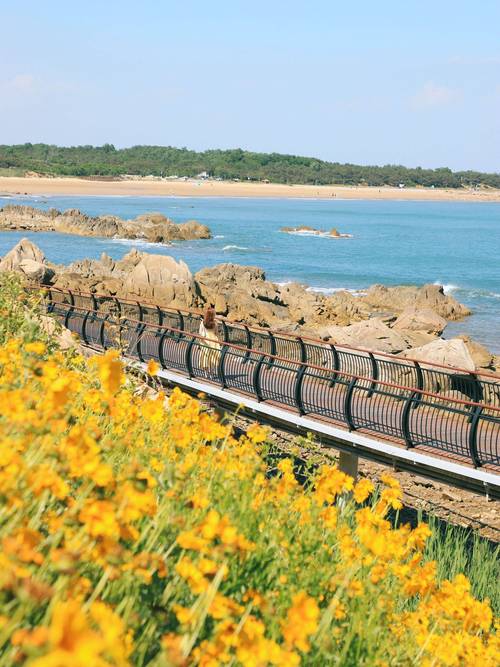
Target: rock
point(452, 352)
point(424, 319)
point(247, 294)
point(36, 271)
point(311, 231)
point(24, 249)
point(398, 299)
point(153, 227)
point(161, 277)
point(371, 334)
point(63, 336)
point(481, 356)
point(28, 259)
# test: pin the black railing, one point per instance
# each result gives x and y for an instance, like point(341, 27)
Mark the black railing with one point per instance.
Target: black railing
point(359, 392)
point(414, 374)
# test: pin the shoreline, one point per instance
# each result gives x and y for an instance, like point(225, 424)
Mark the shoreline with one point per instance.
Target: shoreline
point(13, 186)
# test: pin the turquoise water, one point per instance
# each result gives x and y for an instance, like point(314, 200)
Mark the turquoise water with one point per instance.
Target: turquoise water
point(454, 243)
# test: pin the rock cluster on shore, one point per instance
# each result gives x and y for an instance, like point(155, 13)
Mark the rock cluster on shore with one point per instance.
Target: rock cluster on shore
point(404, 320)
point(153, 227)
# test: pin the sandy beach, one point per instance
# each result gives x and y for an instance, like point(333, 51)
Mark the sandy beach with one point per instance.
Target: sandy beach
point(194, 188)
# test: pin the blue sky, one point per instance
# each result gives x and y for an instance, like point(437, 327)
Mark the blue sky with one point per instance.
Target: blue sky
point(414, 83)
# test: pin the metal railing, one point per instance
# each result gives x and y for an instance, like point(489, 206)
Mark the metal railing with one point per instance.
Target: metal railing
point(411, 373)
point(356, 389)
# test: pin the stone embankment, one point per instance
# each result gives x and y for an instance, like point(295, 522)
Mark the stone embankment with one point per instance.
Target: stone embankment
point(399, 320)
point(152, 227)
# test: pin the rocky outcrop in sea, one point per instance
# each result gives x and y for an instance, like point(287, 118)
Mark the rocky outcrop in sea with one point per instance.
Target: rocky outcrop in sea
point(152, 227)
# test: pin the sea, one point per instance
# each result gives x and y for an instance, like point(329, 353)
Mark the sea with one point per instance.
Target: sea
point(454, 244)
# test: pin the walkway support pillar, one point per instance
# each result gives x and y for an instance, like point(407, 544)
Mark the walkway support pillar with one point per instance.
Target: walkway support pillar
point(348, 463)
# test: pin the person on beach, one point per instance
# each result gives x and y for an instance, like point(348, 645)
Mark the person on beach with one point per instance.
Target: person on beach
point(210, 346)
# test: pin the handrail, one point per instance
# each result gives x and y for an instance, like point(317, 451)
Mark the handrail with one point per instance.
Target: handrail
point(469, 430)
point(275, 357)
point(277, 334)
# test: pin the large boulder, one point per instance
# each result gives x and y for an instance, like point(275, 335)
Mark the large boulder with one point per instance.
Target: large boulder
point(398, 299)
point(451, 352)
point(243, 292)
point(163, 278)
point(370, 334)
point(424, 319)
point(27, 258)
point(481, 356)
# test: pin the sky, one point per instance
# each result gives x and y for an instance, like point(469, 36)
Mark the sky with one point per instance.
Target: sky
point(414, 82)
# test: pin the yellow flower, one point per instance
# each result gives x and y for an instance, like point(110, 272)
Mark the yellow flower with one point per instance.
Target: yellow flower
point(99, 518)
point(36, 347)
point(301, 621)
point(362, 490)
point(153, 367)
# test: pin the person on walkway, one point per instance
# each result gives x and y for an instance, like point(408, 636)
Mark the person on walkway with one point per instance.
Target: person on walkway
point(210, 347)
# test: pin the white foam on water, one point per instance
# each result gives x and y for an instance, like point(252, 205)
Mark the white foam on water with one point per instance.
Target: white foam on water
point(321, 235)
point(233, 247)
point(448, 288)
point(328, 291)
point(140, 243)
point(219, 236)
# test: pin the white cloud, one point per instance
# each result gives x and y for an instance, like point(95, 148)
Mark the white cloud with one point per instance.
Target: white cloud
point(432, 96)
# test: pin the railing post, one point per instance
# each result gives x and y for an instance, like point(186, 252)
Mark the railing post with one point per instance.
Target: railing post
point(336, 364)
point(94, 302)
point(374, 365)
point(348, 404)
point(220, 366)
point(101, 332)
point(476, 415)
point(47, 300)
point(249, 344)
point(420, 384)
point(303, 351)
point(139, 311)
point(256, 378)
point(160, 315)
point(84, 327)
point(298, 389)
point(272, 341)
point(477, 393)
point(71, 298)
point(118, 306)
point(69, 312)
point(189, 358)
point(225, 333)
point(140, 330)
point(413, 398)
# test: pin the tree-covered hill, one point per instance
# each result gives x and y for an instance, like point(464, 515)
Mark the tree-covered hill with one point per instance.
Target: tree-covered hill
point(225, 164)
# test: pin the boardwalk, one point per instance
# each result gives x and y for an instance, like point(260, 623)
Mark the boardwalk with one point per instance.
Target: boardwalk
point(402, 402)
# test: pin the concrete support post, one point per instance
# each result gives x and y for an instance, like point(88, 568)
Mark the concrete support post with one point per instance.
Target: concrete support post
point(348, 463)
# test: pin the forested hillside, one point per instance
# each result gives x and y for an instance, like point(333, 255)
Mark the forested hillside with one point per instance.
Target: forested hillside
point(225, 164)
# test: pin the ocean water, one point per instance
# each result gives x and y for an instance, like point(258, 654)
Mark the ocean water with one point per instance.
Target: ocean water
point(456, 244)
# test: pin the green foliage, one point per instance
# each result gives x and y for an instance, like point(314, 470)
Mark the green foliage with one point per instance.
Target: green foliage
point(108, 161)
point(20, 312)
point(456, 550)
